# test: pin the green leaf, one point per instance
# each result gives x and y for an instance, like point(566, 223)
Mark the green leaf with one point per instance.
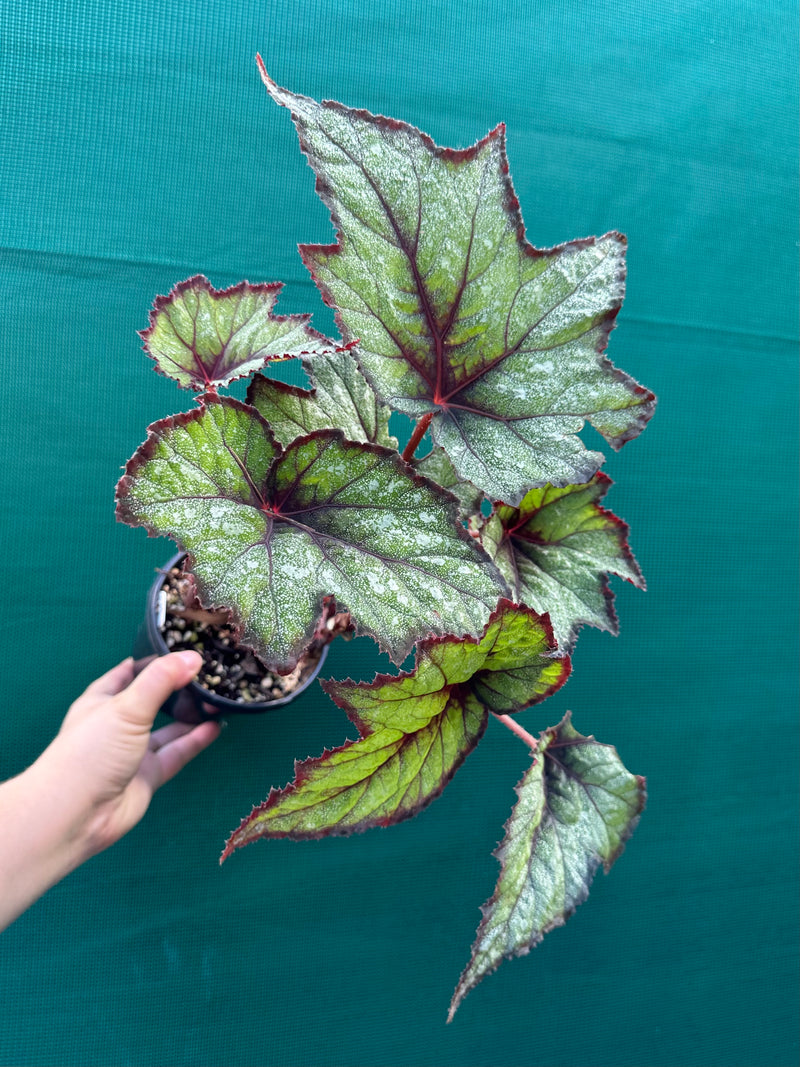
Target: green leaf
point(456, 314)
point(416, 729)
point(204, 338)
point(510, 667)
point(272, 532)
point(437, 466)
point(577, 807)
point(554, 551)
point(340, 399)
point(380, 779)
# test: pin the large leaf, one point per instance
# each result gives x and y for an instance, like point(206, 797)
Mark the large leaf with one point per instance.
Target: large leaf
point(577, 807)
point(456, 314)
point(382, 778)
point(339, 398)
point(272, 532)
point(205, 337)
point(554, 551)
point(416, 729)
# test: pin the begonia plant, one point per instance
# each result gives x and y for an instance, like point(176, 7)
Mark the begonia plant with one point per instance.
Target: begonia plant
point(481, 546)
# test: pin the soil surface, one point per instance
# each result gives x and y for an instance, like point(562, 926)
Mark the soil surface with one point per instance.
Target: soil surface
point(228, 669)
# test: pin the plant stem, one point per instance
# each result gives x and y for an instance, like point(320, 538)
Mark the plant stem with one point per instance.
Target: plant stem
point(417, 435)
point(515, 728)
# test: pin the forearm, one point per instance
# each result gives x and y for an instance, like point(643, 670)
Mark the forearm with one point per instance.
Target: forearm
point(43, 836)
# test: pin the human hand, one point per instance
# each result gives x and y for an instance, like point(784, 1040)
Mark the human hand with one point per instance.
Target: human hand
point(107, 753)
point(95, 780)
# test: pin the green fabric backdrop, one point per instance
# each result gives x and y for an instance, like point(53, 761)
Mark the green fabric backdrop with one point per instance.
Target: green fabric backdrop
point(138, 147)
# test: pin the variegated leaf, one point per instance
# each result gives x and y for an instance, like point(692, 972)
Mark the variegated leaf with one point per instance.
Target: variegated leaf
point(577, 807)
point(554, 551)
point(456, 313)
point(436, 465)
point(416, 729)
point(204, 338)
point(340, 398)
point(272, 532)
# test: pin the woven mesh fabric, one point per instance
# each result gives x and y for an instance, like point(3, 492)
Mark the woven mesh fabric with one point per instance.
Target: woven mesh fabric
point(138, 147)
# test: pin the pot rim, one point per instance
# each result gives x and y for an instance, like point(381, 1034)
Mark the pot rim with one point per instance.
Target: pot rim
point(198, 691)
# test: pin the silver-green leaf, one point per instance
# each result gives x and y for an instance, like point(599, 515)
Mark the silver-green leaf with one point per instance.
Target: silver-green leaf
point(555, 550)
point(577, 807)
point(456, 314)
point(272, 532)
point(204, 338)
point(340, 399)
point(436, 465)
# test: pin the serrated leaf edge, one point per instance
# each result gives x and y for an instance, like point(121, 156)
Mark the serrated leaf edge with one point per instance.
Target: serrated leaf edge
point(302, 770)
point(423, 646)
point(623, 530)
point(161, 302)
point(498, 853)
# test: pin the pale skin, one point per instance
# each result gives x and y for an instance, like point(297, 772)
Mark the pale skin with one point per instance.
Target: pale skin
point(95, 780)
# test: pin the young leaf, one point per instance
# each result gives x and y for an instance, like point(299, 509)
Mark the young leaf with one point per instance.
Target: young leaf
point(340, 398)
point(416, 729)
point(272, 532)
point(577, 807)
point(554, 550)
point(204, 338)
point(456, 314)
point(437, 466)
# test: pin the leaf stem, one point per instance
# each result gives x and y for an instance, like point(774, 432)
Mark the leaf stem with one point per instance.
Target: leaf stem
point(515, 728)
point(417, 435)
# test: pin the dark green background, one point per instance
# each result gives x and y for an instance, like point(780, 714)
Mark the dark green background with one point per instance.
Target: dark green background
point(139, 147)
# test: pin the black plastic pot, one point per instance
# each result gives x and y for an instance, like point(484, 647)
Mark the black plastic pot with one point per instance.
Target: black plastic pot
point(187, 704)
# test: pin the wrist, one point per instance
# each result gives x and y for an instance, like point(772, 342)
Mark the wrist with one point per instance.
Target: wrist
point(42, 839)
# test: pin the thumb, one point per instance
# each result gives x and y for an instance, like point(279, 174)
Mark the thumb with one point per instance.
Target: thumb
point(140, 701)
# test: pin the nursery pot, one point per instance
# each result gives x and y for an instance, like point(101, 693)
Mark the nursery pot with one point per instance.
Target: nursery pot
point(187, 704)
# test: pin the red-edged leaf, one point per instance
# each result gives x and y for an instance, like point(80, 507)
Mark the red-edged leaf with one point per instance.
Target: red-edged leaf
point(455, 312)
point(204, 338)
point(416, 729)
point(273, 531)
point(554, 551)
point(577, 807)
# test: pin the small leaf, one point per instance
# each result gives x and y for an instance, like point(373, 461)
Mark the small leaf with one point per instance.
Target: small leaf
point(204, 338)
point(455, 312)
point(577, 807)
point(437, 466)
point(416, 729)
point(340, 399)
point(554, 550)
point(272, 532)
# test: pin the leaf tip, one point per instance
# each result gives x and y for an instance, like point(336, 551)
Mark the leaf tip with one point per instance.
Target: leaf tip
point(262, 70)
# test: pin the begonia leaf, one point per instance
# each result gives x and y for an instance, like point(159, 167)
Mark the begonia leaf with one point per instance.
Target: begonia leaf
point(554, 551)
point(436, 465)
point(415, 730)
point(272, 532)
point(340, 398)
point(382, 778)
point(577, 807)
point(455, 312)
point(204, 338)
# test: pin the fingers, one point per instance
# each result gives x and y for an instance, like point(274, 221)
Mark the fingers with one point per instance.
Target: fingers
point(147, 692)
point(113, 681)
point(174, 754)
point(162, 737)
